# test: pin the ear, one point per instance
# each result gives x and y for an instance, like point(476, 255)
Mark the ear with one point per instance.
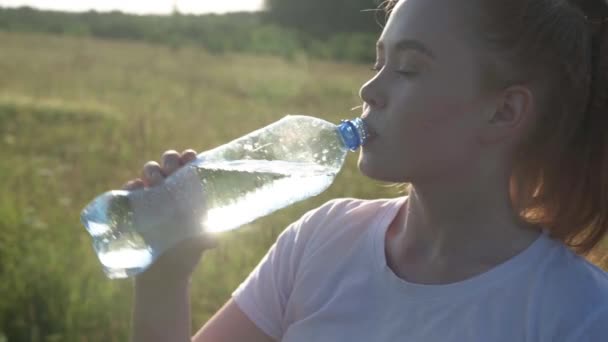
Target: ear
point(509, 117)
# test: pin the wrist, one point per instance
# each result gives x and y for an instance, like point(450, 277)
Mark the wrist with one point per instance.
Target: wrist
point(152, 285)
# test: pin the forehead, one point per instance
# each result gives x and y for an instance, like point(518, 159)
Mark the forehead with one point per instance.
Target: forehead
point(444, 26)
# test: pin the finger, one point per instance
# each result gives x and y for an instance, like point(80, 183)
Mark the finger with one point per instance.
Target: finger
point(188, 156)
point(133, 184)
point(152, 174)
point(170, 162)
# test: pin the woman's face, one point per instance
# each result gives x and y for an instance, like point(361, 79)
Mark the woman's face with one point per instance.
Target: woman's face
point(424, 103)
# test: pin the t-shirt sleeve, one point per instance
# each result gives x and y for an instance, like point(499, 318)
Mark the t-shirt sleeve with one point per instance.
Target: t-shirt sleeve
point(593, 329)
point(264, 293)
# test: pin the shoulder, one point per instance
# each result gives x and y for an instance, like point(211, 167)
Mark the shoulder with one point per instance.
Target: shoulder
point(573, 292)
point(335, 224)
point(342, 216)
point(569, 273)
point(345, 210)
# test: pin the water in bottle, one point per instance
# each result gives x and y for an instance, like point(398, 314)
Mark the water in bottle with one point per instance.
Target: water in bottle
point(290, 160)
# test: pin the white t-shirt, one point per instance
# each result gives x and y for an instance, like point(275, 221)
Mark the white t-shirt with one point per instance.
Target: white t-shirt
point(326, 279)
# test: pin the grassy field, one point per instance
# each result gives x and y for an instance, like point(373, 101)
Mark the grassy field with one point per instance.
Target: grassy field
point(81, 116)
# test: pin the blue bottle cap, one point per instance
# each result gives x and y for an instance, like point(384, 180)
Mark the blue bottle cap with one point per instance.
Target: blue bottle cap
point(353, 133)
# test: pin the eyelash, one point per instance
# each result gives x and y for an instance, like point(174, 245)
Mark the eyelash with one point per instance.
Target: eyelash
point(377, 68)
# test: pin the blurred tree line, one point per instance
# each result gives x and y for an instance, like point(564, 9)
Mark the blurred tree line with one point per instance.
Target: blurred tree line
point(340, 29)
point(323, 18)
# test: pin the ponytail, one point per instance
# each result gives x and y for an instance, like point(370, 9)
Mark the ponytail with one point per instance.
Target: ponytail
point(560, 177)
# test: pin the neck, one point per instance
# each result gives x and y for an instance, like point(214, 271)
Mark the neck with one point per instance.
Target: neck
point(469, 221)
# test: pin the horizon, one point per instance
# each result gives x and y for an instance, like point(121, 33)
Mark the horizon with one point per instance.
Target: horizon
point(151, 7)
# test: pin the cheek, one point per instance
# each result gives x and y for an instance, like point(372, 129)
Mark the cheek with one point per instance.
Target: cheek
point(444, 115)
point(444, 132)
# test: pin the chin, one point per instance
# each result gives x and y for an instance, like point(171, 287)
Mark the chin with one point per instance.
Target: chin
point(384, 171)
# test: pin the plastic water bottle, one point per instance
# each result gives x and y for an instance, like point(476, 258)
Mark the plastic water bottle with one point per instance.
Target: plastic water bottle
point(285, 162)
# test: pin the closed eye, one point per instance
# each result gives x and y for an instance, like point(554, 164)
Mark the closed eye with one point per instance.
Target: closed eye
point(405, 73)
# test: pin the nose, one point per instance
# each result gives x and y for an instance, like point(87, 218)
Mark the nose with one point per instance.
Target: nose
point(371, 93)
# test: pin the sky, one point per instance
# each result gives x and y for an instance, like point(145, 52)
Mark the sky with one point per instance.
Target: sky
point(141, 6)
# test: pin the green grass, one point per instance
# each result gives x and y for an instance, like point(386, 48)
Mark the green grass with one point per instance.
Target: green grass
point(81, 116)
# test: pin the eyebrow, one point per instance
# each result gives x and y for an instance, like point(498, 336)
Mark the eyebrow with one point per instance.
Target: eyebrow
point(409, 44)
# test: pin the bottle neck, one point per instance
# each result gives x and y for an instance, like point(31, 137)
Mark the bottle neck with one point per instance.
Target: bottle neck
point(354, 133)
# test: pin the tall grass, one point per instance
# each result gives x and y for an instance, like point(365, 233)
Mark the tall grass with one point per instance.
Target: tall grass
point(81, 116)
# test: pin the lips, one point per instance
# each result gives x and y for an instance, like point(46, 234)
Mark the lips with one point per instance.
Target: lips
point(371, 132)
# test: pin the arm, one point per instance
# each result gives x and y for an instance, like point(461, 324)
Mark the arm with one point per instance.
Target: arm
point(162, 293)
point(230, 324)
point(162, 313)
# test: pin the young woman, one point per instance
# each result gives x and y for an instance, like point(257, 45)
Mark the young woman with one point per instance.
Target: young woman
point(495, 113)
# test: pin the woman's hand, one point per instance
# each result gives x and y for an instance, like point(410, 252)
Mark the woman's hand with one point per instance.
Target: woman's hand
point(176, 265)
